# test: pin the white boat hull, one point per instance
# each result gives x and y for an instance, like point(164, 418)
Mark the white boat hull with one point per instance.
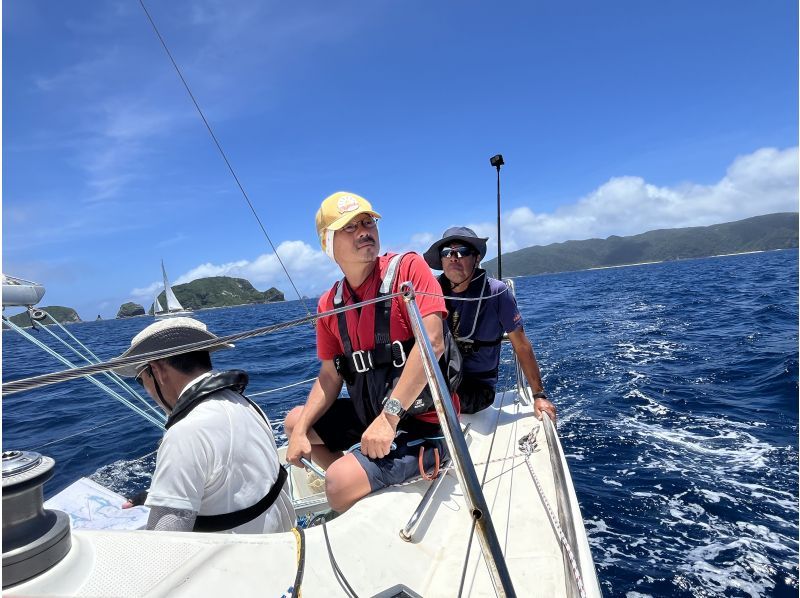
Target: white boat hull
point(365, 541)
point(22, 293)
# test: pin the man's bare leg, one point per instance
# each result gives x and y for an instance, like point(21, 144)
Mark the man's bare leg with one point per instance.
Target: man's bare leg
point(346, 483)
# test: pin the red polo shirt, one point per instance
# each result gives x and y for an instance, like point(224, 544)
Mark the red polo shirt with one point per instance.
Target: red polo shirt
point(361, 323)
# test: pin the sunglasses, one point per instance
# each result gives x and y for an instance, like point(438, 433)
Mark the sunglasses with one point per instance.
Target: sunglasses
point(457, 252)
point(138, 378)
point(368, 223)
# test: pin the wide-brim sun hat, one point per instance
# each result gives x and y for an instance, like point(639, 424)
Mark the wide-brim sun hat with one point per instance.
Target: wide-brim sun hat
point(455, 233)
point(165, 334)
point(337, 210)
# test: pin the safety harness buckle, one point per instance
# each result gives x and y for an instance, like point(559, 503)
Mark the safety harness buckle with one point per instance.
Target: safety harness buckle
point(398, 354)
point(362, 364)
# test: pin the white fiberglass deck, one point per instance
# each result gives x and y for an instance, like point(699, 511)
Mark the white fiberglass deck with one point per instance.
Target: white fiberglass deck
point(365, 541)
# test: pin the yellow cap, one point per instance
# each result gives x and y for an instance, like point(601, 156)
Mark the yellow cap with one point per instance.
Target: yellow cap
point(338, 210)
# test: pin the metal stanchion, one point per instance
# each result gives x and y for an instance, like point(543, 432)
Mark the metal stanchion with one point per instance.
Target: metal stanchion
point(459, 453)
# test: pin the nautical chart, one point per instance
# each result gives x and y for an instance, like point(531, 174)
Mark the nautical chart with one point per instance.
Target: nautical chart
point(92, 506)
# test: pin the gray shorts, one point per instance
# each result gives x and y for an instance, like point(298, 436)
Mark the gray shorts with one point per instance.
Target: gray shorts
point(340, 429)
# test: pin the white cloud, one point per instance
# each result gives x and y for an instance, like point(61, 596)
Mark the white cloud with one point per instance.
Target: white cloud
point(763, 182)
point(145, 295)
point(312, 271)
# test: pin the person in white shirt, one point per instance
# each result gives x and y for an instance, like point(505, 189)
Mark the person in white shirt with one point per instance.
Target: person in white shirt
point(217, 467)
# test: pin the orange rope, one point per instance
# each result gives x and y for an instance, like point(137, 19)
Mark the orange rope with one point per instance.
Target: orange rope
point(422, 472)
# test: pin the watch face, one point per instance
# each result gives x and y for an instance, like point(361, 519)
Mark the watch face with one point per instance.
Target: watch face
point(393, 407)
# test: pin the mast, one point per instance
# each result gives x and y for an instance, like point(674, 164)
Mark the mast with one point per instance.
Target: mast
point(497, 162)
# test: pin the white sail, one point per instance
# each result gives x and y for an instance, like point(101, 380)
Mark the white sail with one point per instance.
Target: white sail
point(157, 307)
point(172, 301)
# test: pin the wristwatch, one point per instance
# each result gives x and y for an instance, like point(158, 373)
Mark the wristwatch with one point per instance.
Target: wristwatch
point(393, 407)
point(539, 395)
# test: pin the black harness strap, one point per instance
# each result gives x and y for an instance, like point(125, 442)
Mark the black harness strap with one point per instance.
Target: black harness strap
point(385, 351)
point(218, 523)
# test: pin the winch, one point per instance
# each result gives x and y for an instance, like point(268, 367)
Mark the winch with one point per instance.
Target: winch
point(34, 538)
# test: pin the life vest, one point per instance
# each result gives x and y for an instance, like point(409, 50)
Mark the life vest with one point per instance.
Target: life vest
point(203, 390)
point(371, 374)
point(466, 343)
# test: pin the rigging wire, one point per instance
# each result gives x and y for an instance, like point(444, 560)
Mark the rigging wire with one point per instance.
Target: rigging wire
point(111, 375)
point(222, 152)
point(23, 384)
point(66, 373)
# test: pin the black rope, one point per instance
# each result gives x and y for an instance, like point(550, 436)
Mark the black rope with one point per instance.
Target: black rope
point(301, 561)
point(222, 153)
point(336, 571)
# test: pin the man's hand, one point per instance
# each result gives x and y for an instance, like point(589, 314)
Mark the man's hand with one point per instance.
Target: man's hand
point(299, 446)
point(376, 441)
point(540, 405)
point(135, 501)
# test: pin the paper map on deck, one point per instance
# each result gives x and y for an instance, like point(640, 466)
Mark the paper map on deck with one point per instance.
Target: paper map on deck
point(92, 506)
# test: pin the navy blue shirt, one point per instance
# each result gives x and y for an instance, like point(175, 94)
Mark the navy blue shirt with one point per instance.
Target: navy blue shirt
point(485, 320)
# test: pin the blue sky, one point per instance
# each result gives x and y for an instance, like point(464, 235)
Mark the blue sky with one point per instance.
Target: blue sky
point(613, 117)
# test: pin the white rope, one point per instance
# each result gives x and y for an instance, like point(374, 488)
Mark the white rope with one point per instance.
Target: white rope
point(113, 421)
point(452, 298)
point(266, 392)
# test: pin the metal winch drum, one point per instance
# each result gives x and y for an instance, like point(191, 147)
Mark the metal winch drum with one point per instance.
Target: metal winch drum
point(34, 538)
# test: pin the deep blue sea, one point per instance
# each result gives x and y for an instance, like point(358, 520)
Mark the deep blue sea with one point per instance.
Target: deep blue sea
point(677, 390)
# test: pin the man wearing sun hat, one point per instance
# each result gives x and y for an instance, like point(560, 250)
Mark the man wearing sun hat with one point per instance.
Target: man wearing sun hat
point(479, 323)
point(217, 467)
point(389, 410)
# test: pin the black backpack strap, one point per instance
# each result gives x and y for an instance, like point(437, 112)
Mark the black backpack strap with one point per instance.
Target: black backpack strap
point(227, 521)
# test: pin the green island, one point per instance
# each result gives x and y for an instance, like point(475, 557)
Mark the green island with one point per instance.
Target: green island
point(62, 315)
point(219, 291)
point(760, 233)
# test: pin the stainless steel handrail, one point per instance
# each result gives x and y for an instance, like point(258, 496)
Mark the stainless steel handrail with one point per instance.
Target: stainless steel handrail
point(566, 515)
point(459, 453)
point(407, 533)
point(523, 390)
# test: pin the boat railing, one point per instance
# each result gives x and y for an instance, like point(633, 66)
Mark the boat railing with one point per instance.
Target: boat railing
point(459, 453)
point(563, 485)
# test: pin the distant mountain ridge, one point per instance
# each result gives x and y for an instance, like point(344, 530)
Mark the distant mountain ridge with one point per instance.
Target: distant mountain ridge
point(219, 291)
point(759, 233)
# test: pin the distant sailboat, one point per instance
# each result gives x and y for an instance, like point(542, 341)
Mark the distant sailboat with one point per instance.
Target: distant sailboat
point(174, 307)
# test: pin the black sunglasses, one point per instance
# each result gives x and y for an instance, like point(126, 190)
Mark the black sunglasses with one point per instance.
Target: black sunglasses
point(458, 251)
point(139, 375)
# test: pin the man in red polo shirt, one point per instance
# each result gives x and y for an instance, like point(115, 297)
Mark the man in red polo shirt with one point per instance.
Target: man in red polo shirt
point(389, 410)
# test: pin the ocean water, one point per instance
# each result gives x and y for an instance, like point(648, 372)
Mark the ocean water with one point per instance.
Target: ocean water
point(677, 389)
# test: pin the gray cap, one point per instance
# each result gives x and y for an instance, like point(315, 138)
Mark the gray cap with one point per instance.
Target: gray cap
point(165, 334)
point(455, 233)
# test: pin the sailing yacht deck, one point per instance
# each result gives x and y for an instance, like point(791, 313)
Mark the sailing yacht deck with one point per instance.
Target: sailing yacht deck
point(365, 541)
